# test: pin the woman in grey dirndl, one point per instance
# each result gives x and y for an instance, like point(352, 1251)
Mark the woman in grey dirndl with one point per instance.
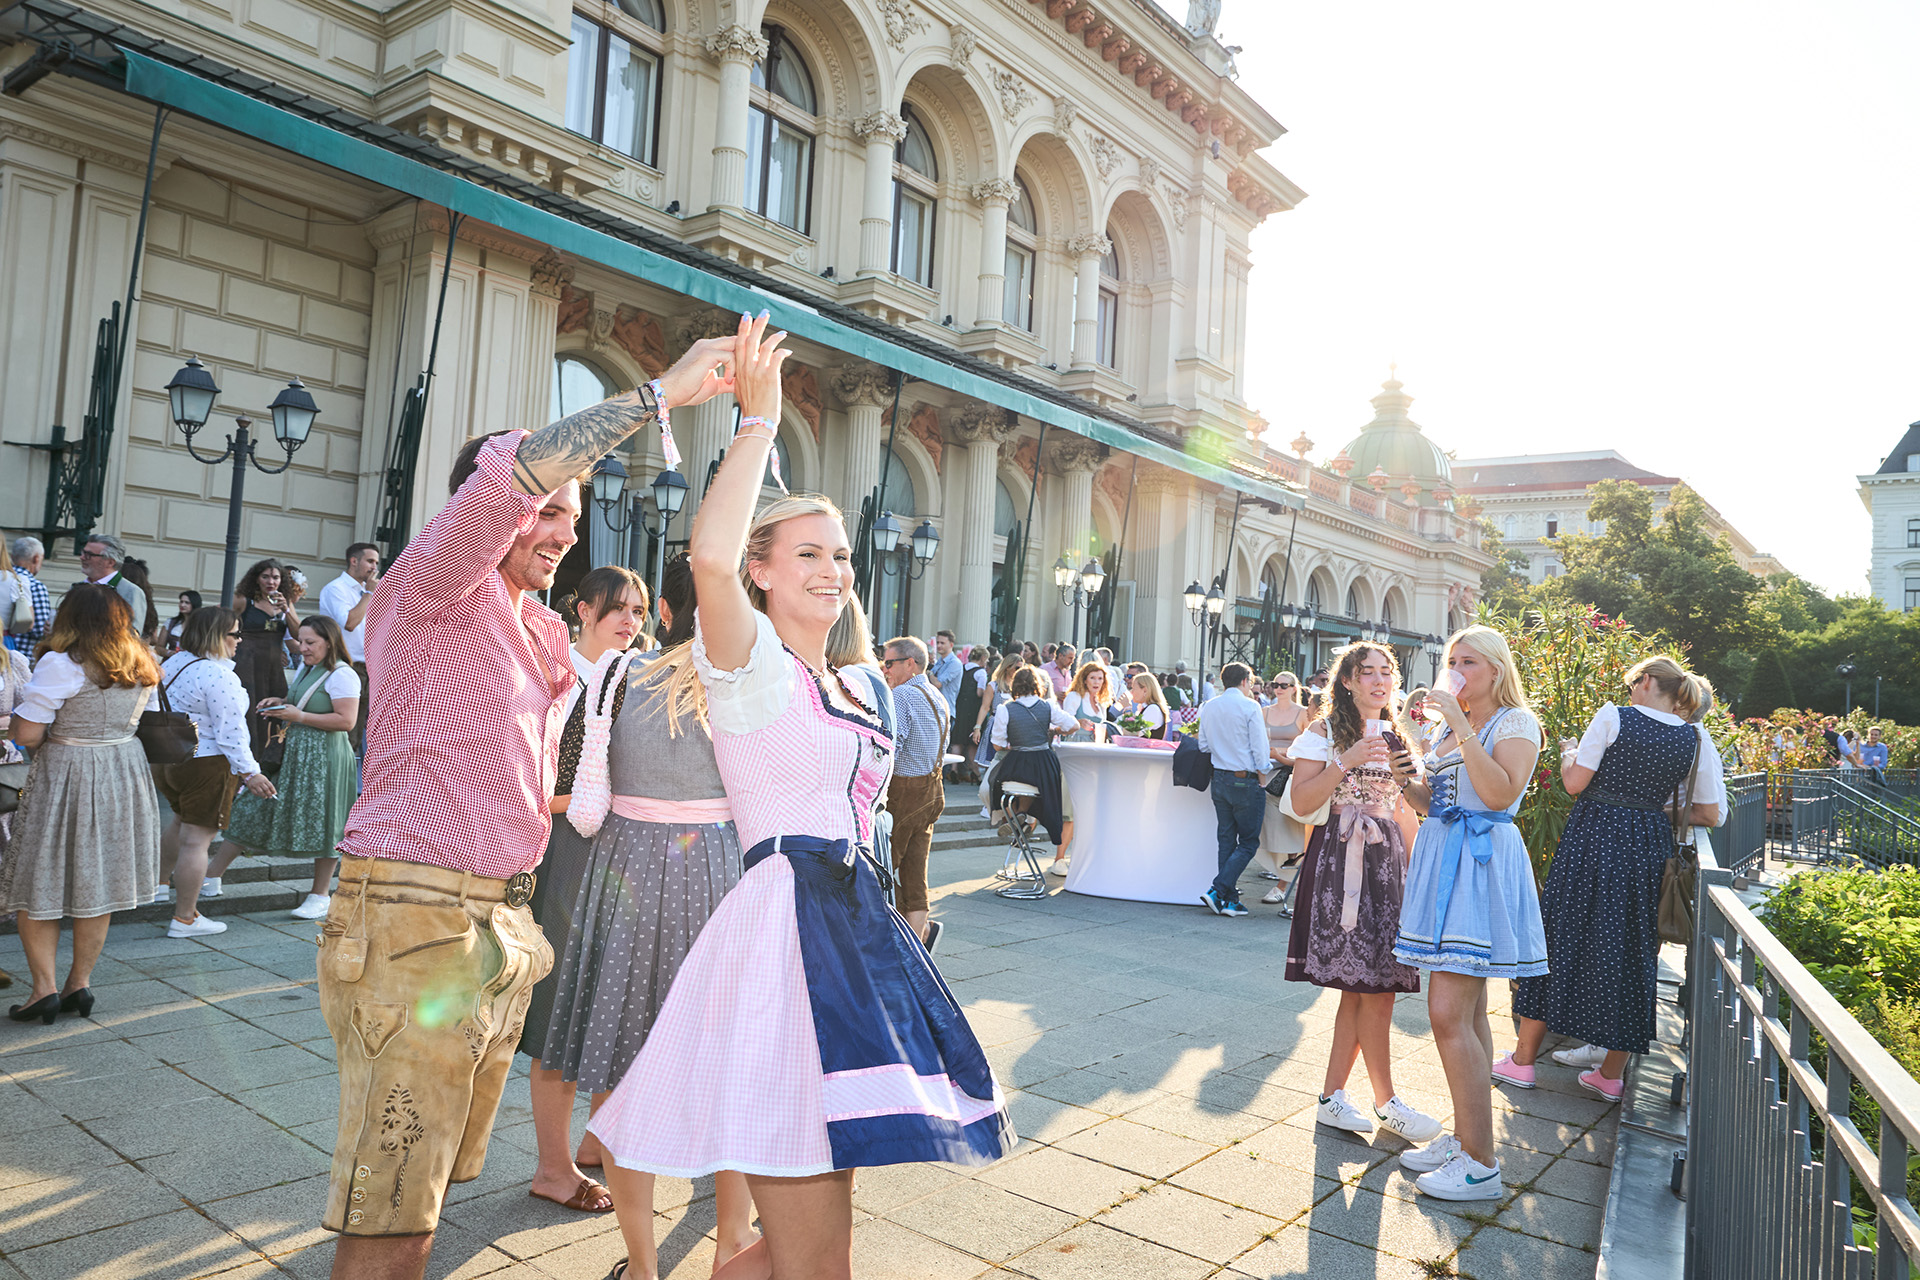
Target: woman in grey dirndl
point(660, 860)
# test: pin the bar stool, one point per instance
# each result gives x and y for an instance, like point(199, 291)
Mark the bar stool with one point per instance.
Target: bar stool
point(1022, 873)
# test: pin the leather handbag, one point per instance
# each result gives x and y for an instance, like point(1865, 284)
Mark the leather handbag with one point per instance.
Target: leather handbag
point(168, 736)
point(1277, 781)
point(1680, 881)
point(13, 781)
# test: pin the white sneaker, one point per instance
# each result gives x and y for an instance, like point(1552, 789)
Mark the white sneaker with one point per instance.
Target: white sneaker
point(210, 887)
point(1414, 1126)
point(202, 927)
point(1056, 868)
point(314, 908)
point(1338, 1113)
point(1430, 1157)
point(1586, 1057)
point(163, 893)
point(1462, 1178)
point(986, 813)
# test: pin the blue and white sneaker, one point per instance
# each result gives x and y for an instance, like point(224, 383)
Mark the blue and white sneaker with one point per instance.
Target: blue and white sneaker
point(1462, 1178)
point(1233, 907)
point(1211, 901)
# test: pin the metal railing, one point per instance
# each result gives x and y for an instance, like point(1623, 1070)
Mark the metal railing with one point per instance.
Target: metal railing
point(1741, 844)
point(1780, 1181)
point(1832, 819)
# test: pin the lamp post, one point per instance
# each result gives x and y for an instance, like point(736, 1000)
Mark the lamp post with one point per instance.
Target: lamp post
point(1845, 672)
point(1204, 608)
point(1298, 619)
point(1078, 587)
point(886, 540)
point(668, 493)
point(1434, 646)
point(191, 395)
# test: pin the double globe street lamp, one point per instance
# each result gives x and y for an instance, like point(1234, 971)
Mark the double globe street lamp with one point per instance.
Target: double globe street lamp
point(1078, 587)
point(887, 531)
point(191, 395)
point(668, 496)
point(1205, 605)
point(1299, 619)
point(1434, 646)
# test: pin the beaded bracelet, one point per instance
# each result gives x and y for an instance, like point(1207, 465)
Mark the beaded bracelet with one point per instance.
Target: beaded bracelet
point(773, 455)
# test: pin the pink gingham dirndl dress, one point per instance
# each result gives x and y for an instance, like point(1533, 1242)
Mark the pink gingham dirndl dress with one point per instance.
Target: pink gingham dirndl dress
point(807, 1030)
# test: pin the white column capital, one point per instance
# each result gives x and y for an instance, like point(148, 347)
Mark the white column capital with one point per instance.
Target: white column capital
point(995, 193)
point(862, 385)
point(1090, 244)
point(878, 125)
point(981, 424)
point(1077, 453)
point(737, 43)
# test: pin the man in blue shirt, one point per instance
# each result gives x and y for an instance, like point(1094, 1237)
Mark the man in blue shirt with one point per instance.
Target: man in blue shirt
point(945, 670)
point(1233, 732)
point(915, 796)
point(1873, 754)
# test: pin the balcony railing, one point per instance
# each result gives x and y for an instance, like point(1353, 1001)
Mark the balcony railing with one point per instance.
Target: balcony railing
point(1780, 1180)
point(1830, 816)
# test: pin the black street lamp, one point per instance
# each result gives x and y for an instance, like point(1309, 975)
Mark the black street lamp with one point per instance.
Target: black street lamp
point(1845, 672)
point(1298, 619)
point(1078, 587)
point(1204, 610)
point(668, 494)
point(191, 395)
point(1434, 646)
point(886, 540)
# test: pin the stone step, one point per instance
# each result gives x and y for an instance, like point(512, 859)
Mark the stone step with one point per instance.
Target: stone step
point(236, 897)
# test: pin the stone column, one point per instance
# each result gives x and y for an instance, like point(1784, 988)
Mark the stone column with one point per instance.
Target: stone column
point(977, 432)
point(866, 390)
point(736, 48)
point(1087, 251)
point(703, 431)
point(1158, 610)
point(882, 131)
point(993, 196)
point(1077, 458)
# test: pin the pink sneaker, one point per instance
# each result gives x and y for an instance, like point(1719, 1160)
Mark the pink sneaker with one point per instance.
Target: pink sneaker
point(1507, 1071)
point(1595, 1083)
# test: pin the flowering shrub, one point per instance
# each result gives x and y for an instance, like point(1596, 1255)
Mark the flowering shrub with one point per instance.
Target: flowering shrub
point(1790, 739)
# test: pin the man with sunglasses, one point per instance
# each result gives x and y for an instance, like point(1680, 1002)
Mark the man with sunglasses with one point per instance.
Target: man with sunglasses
point(100, 558)
point(915, 796)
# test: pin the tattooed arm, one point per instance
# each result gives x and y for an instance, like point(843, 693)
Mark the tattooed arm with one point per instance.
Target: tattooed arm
point(557, 453)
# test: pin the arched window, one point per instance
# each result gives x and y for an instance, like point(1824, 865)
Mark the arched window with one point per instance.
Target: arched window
point(893, 592)
point(1004, 517)
point(901, 499)
point(1508, 524)
point(1313, 594)
point(1023, 240)
point(780, 135)
point(915, 171)
point(1353, 603)
point(576, 386)
point(1269, 584)
point(613, 77)
point(1109, 318)
point(1386, 614)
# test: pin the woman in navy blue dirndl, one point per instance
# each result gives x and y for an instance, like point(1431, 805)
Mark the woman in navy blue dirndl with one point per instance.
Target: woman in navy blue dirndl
point(1602, 899)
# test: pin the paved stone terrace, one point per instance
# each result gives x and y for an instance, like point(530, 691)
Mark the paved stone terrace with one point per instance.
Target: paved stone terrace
point(1161, 1074)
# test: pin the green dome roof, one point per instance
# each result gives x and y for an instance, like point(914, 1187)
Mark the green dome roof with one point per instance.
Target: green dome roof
point(1394, 443)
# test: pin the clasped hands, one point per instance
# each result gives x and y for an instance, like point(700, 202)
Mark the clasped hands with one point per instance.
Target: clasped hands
point(746, 364)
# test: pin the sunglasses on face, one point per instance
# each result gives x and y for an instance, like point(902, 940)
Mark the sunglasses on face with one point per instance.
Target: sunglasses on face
point(887, 662)
point(233, 635)
point(1283, 686)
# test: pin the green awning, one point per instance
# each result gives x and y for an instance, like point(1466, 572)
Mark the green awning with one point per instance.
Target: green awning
point(197, 96)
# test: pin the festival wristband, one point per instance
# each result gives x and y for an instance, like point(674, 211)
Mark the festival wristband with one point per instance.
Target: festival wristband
point(658, 395)
point(773, 455)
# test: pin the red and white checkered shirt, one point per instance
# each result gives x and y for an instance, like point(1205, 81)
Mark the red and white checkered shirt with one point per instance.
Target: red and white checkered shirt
point(463, 736)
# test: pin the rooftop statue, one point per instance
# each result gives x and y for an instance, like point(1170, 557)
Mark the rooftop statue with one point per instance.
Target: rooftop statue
point(1202, 16)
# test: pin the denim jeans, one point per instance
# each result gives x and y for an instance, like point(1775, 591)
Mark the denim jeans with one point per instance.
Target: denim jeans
point(1240, 804)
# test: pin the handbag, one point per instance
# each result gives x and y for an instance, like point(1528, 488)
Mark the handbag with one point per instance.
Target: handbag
point(1277, 781)
point(20, 621)
point(13, 781)
point(1680, 880)
point(1318, 818)
point(166, 735)
point(592, 789)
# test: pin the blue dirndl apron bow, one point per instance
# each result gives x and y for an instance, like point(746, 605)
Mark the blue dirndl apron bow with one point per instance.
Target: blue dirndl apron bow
point(1468, 830)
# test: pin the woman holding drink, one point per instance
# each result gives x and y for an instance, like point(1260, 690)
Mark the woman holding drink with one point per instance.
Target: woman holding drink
point(1347, 909)
point(1471, 911)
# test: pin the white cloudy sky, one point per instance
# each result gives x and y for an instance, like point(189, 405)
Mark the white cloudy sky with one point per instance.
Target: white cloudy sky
point(1683, 229)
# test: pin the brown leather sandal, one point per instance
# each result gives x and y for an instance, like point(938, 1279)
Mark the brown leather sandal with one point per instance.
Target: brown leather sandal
point(588, 1197)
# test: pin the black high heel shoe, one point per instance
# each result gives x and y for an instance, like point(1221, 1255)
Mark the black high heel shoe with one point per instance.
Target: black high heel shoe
point(41, 1009)
point(80, 1002)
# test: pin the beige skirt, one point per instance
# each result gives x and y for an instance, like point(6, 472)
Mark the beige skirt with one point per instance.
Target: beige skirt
point(86, 838)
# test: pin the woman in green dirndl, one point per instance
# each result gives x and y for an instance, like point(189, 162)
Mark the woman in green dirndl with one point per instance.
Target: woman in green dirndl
point(317, 782)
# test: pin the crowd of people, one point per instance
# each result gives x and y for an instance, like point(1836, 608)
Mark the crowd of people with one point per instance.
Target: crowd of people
point(684, 868)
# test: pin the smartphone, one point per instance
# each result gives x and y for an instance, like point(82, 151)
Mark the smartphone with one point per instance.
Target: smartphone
point(1395, 743)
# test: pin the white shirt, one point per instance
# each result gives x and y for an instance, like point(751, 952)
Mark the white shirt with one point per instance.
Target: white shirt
point(583, 669)
point(1151, 713)
point(1234, 733)
point(1082, 707)
point(1710, 786)
point(209, 692)
point(1058, 716)
point(337, 600)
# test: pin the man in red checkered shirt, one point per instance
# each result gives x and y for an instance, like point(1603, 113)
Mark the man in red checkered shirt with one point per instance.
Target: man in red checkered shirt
point(429, 953)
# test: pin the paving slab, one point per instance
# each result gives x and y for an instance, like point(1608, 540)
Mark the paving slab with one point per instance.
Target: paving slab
point(1166, 1121)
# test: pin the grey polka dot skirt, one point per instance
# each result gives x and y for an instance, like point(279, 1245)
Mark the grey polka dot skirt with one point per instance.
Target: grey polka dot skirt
point(646, 892)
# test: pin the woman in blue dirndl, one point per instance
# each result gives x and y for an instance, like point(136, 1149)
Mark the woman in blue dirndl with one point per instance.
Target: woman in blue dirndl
point(1470, 911)
point(1602, 899)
